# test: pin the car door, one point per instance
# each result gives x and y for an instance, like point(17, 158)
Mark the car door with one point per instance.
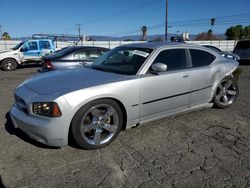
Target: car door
point(30, 51)
point(201, 76)
point(168, 91)
point(45, 47)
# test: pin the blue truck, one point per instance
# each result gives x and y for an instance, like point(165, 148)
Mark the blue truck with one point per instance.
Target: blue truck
point(24, 52)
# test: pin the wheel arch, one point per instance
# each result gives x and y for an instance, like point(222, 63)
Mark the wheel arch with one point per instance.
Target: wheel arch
point(121, 105)
point(12, 58)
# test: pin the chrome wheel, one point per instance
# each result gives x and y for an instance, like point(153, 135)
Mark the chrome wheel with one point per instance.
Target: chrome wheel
point(226, 92)
point(99, 124)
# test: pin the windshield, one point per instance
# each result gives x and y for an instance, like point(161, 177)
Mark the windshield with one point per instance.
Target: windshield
point(18, 45)
point(122, 60)
point(61, 53)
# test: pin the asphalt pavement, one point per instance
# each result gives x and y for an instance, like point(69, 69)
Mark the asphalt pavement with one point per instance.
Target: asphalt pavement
point(207, 148)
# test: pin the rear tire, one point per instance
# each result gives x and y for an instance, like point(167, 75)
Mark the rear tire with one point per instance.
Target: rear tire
point(226, 93)
point(9, 64)
point(97, 124)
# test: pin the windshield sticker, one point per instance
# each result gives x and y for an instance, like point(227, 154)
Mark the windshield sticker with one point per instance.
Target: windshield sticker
point(140, 53)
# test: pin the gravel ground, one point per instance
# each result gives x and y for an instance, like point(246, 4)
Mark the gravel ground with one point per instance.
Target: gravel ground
point(208, 148)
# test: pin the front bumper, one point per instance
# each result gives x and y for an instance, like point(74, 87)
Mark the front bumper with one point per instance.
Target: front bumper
point(44, 130)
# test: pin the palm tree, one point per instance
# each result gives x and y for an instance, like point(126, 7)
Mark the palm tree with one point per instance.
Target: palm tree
point(144, 31)
point(6, 36)
point(212, 21)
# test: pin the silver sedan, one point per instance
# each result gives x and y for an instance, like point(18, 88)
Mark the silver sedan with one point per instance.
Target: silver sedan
point(128, 86)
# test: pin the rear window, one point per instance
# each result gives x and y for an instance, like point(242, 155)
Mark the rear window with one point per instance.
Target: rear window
point(61, 53)
point(243, 45)
point(201, 58)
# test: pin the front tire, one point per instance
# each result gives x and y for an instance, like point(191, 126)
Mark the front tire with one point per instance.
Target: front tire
point(9, 64)
point(226, 93)
point(97, 124)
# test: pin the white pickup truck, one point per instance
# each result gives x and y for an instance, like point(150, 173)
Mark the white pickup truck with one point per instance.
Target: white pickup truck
point(26, 51)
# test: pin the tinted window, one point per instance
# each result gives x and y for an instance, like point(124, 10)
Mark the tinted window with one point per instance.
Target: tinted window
point(18, 45)
point(44, 45)
point(94, 54)
point(103, 51)
point(61, 53)
point(32, 45)
point(243, 45)
point(175, 59)
point(87, 54)
point(82, 55)
point(201, 58)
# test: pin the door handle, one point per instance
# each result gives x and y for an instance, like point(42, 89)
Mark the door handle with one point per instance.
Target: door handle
point(218, 70)
point(185, 76)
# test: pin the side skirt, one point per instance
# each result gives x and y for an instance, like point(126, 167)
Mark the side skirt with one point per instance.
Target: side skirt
point(183, 111)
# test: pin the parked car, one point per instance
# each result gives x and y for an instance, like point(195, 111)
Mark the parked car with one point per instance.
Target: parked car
point(72, 57)
point(25, 51)
point(128, 86)
point(242, 49)
point(223, 53)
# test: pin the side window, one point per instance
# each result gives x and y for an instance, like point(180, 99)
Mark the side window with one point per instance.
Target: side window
point(201, 58)
point(44, 45)
point(102, 52)
point(81, 55)
point(175, 59)
point(32, 45)
point(94, 54)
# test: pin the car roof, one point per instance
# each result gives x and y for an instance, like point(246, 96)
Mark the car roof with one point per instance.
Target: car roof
point(155, 45)
point(82, 47)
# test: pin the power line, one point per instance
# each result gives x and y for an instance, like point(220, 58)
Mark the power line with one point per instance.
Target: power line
point(123, 12)
point(220, 20)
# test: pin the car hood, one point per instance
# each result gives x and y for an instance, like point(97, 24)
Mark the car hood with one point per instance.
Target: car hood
point(4, 51)
point(65, 81)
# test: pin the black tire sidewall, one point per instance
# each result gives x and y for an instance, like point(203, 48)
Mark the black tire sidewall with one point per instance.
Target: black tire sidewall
point(75, 125)
point(14, 63)
point(218, 104)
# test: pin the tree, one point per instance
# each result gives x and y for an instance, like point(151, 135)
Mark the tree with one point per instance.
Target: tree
point(247, 32)
point(235, 32)
point(212, 21)
point(6, 36)
point(144, 31)
point(206, 36)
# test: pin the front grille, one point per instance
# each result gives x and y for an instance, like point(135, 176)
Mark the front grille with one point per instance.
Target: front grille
point(20, 104)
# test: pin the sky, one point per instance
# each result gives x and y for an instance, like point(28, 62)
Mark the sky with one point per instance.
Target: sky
point(22, 18)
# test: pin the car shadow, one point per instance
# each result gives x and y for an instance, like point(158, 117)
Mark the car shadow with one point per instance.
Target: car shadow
point(244, 62)
point(32, 65)
point(9, 127)
point(1, 183)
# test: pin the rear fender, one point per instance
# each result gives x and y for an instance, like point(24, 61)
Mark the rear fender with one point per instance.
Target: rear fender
point(232, 70)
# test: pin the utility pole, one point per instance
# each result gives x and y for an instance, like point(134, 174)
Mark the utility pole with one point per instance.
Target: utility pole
point(79, 31)
point(166, 23)
point(1, 32)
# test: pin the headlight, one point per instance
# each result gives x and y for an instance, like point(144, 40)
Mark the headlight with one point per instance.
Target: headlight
point(48, 109)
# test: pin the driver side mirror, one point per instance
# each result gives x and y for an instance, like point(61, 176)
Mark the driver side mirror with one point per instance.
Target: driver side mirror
point(159, 67)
